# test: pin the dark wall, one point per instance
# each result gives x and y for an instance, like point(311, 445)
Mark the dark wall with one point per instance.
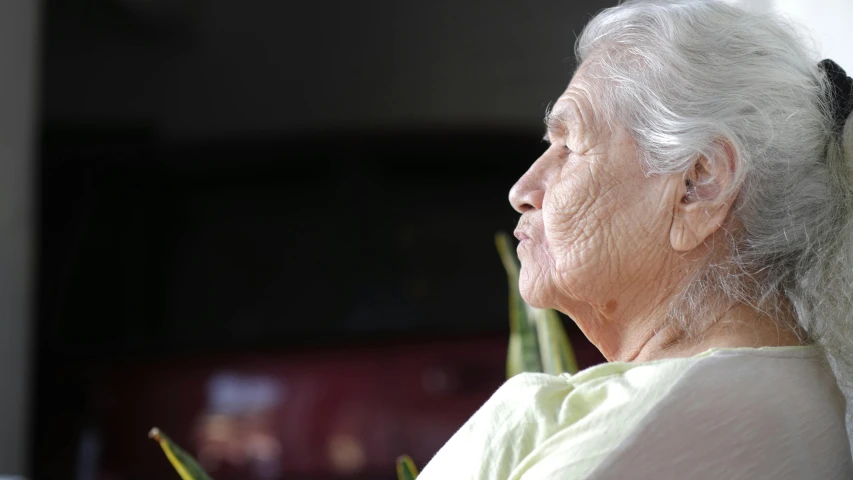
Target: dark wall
point(228, 167)
point(250, 243)
point(225, 67)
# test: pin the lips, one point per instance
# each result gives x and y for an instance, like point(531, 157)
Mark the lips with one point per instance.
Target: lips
point(525, 229)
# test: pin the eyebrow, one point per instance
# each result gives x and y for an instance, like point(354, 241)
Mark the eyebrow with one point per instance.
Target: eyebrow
point(557, 120)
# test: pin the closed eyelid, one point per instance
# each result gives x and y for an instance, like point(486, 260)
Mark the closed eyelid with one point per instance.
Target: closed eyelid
point(558, 133)
point(554, 122)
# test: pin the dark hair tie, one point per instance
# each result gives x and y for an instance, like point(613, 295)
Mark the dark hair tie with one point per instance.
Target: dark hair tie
point(842, 91)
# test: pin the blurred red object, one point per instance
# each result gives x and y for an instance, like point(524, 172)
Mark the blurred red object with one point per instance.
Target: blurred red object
point(336, 413)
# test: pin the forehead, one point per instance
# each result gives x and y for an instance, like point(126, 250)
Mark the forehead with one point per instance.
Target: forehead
point(574, 108)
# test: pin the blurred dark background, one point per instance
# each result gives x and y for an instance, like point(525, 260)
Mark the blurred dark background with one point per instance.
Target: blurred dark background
point(268, 227)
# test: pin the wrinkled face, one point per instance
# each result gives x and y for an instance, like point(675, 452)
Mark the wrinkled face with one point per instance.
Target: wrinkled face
point(594, 229)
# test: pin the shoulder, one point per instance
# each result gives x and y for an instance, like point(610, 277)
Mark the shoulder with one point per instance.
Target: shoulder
point(739, 415)
point(761, 383)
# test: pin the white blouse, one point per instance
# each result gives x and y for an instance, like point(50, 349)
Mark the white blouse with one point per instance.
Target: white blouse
point(769, 413)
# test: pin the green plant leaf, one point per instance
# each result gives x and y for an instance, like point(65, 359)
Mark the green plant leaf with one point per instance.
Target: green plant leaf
point(183, 462)
point(406, 468)
point(555, 349)
point(523, 352)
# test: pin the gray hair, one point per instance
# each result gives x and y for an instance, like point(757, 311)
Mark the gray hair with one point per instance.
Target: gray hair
point(682, 76)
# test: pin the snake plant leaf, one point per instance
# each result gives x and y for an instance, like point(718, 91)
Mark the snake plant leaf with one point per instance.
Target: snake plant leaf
point(406, 468)
point(184, 463)
point(555, 349)
point(523, 351)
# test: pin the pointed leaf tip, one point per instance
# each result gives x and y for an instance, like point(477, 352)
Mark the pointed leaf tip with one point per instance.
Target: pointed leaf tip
point(185, 465)
point(406, 469)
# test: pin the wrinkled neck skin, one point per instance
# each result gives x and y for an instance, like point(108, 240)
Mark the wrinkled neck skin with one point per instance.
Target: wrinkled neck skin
point(640, 330)
point(736, 327)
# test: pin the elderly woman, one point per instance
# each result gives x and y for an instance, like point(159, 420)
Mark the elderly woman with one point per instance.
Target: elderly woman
point(694, 215)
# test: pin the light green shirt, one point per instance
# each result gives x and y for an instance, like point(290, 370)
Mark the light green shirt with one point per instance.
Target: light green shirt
point(729, 413)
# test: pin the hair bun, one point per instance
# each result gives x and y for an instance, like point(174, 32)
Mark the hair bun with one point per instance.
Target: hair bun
point(842, 91)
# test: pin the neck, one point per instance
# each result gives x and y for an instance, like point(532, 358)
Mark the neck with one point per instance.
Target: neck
point(737, 326)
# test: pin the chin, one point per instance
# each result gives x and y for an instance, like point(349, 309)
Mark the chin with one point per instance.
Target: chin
point(532, 293)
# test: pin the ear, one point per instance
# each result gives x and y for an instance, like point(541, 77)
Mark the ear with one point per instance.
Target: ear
point(704, 199)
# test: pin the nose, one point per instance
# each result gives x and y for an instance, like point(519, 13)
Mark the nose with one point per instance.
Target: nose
point(528, 191)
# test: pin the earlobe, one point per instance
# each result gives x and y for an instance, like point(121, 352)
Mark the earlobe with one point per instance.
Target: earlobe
point(694, 223)
point(682, 238)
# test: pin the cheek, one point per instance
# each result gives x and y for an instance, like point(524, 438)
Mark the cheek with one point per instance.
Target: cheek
point(575, 218)
point(603, 237)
